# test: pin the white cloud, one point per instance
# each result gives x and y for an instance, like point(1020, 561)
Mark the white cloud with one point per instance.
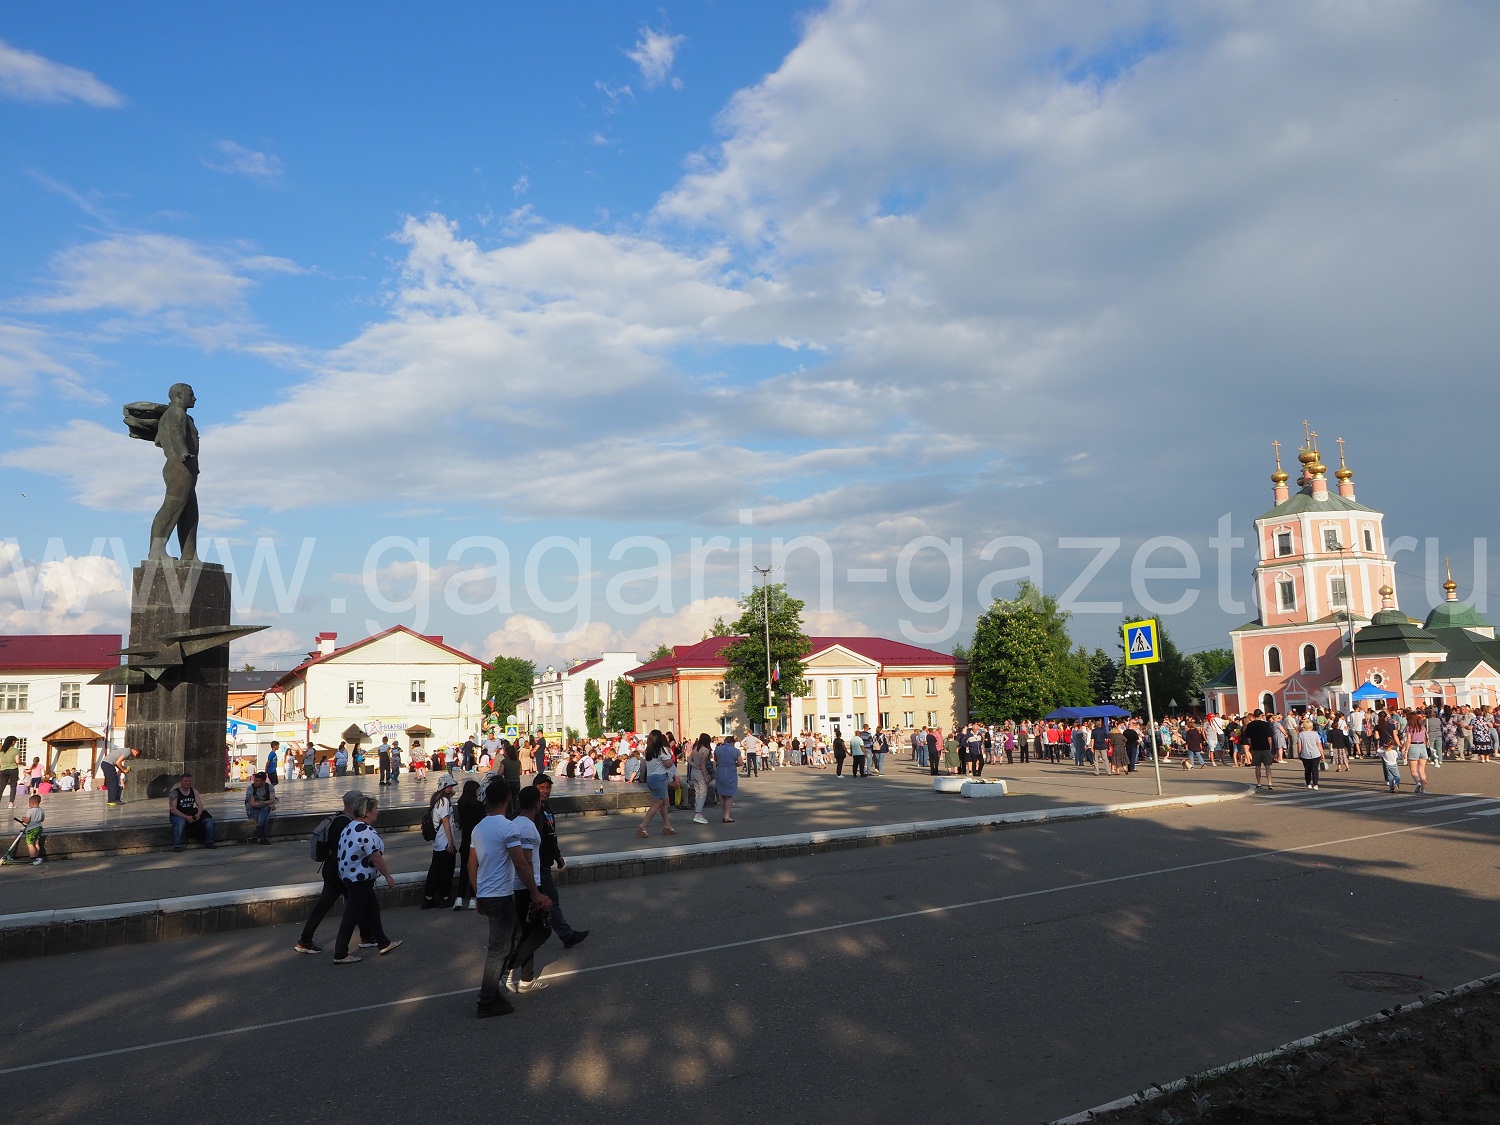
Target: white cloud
point(28, 355)
point(29, 77)
point(237, 160)
point(64, 594)
point(614, 95)
point(140, 274)
point(655, 52)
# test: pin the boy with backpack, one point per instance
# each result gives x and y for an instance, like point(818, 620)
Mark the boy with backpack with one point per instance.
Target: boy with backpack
point(324, 848)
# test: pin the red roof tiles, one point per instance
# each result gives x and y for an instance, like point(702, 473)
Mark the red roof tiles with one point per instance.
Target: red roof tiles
point(61, 652)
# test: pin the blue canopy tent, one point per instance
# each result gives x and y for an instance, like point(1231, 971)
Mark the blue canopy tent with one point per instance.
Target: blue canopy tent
point(1371, 691)
point(1104, 712)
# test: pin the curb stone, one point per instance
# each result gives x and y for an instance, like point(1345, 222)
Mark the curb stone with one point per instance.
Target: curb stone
point(45, 933)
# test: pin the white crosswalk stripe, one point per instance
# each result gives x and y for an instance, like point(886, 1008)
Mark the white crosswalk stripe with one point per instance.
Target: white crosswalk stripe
point(1410, 804)
point(1439, 806)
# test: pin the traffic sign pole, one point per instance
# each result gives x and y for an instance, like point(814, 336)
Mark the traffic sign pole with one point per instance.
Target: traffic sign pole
point(1151, 726)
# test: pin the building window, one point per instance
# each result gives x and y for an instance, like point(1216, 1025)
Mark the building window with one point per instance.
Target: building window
point(906, 687)
point(1273, 659)
point(882, 686)
point(807, 724)
point(1268, 703)
point(20, 746)
point(932, 718)
point(1309, 658)
point(671, 693)
point(726, 724)
point(419, 691)
point(13, 697)
point(643, 697)
point(1377, 678)
point(858, 687)
point(931, 685)
point(908, 719)
point(724, 692)
point(1338, 593)
point(356, 696)
point(70, 697)
point(1331, 539)
point(1283, 544)
point(656, 693)
point(1286, 591)
point(885, 720)
point(833, 689)
point(1369, 541)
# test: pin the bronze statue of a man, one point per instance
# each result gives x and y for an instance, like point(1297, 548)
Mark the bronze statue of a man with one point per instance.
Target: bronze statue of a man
point(173, 430)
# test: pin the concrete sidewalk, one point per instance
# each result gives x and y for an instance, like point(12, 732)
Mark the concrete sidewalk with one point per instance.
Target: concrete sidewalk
point(791, 811)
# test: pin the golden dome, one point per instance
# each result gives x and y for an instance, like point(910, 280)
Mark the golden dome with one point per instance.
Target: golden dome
point(1317, 468)
point(1308, 456)
point(1280, 476)
point(1451, 586)
point(1385, 591)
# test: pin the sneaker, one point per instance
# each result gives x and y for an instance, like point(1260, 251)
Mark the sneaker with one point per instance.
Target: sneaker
point(499, 1006)
point(308, 947)
point(577, 937)
point(700, 820)
point(395, 945)
point(37, 862)
point(346, 959)
point(107, 804)
point(473, 904)
point(458, 906)
point(533, 985)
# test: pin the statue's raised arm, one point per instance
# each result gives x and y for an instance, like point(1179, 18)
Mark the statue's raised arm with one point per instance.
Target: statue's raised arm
point(171, 427)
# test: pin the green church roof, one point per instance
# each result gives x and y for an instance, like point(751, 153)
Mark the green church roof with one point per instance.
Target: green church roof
point(1455, 615)
point(1302, 501)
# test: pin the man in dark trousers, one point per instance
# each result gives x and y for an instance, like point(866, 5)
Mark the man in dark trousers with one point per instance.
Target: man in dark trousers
point(974, 750)
point(333, 888)
point(552, 857)
point(383, 755)
point(934, 759)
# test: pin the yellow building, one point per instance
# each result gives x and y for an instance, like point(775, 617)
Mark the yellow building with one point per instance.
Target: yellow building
point(852, 681)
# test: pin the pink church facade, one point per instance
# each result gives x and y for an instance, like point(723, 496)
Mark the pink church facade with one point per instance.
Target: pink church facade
point(1322, 570)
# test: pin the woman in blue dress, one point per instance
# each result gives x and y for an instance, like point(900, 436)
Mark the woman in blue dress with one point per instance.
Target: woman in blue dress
point(727, 758)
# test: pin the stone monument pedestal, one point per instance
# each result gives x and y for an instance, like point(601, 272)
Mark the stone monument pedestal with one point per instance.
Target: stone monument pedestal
point(175, 708)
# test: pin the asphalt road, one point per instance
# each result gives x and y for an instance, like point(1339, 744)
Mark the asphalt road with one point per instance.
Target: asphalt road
point(1010, 977)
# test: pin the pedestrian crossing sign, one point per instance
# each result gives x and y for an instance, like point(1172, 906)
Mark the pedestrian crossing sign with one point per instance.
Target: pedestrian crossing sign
point(1140, 643)
point(771, 712)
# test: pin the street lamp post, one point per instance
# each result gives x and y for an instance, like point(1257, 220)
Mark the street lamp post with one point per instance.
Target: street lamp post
point(1349, 617)
point(765, 586)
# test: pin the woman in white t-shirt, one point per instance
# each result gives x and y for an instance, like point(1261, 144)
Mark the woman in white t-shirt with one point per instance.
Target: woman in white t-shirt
point(438, 889)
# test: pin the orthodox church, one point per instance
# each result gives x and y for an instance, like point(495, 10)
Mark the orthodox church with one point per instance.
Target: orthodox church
point(1328, 621)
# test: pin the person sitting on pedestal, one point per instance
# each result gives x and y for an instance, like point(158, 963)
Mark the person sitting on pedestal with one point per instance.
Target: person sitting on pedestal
point(260, 806)
point(188, 813)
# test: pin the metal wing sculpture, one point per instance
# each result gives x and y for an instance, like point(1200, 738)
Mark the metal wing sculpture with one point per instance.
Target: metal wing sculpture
point(141, 419)
point(146, 663)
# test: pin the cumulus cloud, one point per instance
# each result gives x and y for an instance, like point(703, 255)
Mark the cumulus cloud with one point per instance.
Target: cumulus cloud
point(29, 77)
point(29, 356)
point(61, 593)
point(140, 274)
point(237, 160)
point(655, 52)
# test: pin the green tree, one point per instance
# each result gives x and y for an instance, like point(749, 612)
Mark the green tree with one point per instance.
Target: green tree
point(1102, 673)
point(1021, 660)
point(718, 629)
point(660, 652)
point(747, 656)
point(507, 681)
point(621, 708)
point(1212, 661)
point(593, 708)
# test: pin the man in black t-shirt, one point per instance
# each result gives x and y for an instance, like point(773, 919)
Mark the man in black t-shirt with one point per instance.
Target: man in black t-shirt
point(1260, 737)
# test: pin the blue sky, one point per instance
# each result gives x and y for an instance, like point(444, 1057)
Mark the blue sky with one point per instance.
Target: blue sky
point(875, 271)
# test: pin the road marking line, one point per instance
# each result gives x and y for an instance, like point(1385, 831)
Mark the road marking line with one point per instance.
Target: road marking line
point(1449, 806)
point(766, 939)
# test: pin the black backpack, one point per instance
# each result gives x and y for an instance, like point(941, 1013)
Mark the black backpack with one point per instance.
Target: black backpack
point(429, 829)
point(319, 845)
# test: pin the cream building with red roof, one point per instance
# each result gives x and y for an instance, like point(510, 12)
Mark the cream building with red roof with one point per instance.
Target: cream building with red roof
point(851, 681)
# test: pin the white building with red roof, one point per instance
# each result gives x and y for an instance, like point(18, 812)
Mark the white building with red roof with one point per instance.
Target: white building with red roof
point(46, 699)
point(397, 683)
point(557, 696)
point(852, 681)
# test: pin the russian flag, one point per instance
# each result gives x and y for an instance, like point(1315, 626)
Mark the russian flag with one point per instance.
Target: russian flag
point(776, 673)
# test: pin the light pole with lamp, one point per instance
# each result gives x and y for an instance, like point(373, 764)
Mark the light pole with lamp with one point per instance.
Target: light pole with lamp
point(765, 586)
